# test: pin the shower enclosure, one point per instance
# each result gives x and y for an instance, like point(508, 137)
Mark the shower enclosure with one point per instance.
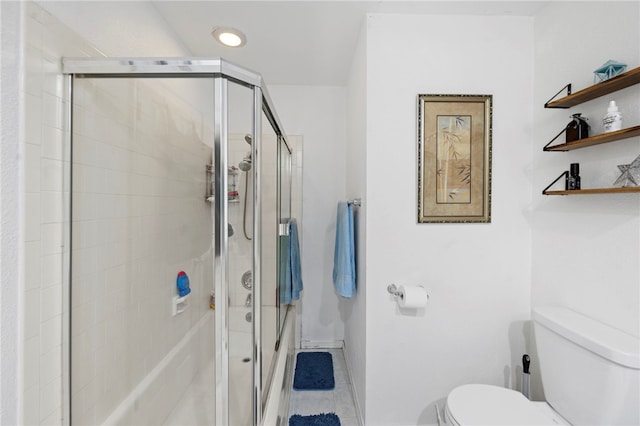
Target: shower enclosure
point(179, 181)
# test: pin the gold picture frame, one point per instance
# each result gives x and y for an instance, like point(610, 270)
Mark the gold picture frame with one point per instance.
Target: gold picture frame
point(454, 158)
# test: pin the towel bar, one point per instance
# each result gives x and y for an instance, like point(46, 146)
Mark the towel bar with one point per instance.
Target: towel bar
point(356, 202)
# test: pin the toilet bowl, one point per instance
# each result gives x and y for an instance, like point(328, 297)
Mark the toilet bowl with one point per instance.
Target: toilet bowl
point(590, 376)
point(477, 404)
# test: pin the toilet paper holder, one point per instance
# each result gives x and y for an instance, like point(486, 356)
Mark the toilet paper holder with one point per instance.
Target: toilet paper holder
point(409, 297)
point(395, 291)
point(391, 288)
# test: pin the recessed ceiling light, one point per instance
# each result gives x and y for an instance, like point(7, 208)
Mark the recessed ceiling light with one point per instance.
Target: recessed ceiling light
point(229, 36)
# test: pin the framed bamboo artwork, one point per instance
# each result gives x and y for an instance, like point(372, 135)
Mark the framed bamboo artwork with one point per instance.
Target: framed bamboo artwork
point(454, 158)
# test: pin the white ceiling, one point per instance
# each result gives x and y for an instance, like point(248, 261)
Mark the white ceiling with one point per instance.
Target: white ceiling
point(288, 42)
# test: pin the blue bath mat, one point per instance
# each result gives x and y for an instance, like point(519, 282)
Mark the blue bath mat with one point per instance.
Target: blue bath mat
point(314, 371)
point(329, 419)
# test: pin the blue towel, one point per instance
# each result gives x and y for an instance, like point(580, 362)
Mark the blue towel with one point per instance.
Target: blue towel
point(294, 260)
point(291, 277)
point(344, 265)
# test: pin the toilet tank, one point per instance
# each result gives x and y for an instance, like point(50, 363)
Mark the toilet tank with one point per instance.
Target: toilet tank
point(590, 371)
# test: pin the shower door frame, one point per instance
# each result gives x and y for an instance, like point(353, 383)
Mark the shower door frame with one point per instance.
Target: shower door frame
point(221, 72)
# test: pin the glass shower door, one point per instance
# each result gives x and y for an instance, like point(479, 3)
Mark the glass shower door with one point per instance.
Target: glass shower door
point(175, 210)
point(269, 249)
point(284, 209)
point(141, 253)
point(240, 285)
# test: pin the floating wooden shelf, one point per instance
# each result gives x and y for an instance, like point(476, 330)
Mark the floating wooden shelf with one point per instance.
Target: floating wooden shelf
point(596, 140)
point(596, 191)
point(614, 84)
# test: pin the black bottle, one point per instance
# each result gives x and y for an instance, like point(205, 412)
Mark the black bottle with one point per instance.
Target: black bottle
point(578, 128)
point(573, 177)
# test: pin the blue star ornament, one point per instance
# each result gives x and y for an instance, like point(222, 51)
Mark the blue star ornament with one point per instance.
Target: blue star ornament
point(630, 174)
point(608, 70)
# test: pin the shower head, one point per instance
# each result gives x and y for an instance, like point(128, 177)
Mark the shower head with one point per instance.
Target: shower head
point(245, 164)
point(248, 139)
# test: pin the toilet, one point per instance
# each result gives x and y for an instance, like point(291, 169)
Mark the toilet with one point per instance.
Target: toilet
point(590, 374)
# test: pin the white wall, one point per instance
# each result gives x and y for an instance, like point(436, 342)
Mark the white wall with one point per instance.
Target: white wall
point(355, 314)
point(479, 275)
point(586, 248)
point(318, 115)
point(123, 30)
point(130, 29)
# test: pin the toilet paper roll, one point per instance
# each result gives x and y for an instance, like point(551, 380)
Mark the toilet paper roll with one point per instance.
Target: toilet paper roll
point(412, 297)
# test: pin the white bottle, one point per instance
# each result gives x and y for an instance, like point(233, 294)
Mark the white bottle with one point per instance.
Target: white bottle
point(613, 120)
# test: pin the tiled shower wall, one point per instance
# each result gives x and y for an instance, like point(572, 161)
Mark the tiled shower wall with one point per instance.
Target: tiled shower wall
point(139, 217)
point(46, 41)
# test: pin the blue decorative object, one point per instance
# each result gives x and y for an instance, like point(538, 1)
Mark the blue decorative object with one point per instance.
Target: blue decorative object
point(325, 419)
point(314, 371)
point(182, 282)
point(609, 69)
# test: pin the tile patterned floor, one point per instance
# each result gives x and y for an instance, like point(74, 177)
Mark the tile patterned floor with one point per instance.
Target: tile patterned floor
point(339, 400)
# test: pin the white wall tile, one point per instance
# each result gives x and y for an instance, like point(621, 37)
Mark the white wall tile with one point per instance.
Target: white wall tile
point(52, 144)
point(50, 334)
point(51, 238)
point(51, 365)
point(50, 302)
point(51, 207)
point(32, 313)
point(52, 111)
point(32, 171)
point(33, 122)
point(32, 274)
point(51, 270)
point(50, 398)
point(43, 215)
point(52, 78)
point(32, 217)
point(32, 362)
point(33, 71)
point(54, 419)
point(51, 174)
point(31, 402)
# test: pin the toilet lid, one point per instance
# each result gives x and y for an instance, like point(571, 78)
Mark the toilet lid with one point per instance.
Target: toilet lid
point(492, 405)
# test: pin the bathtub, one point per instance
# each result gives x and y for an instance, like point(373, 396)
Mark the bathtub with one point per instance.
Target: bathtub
point(181, 388)
point(276, 407)
point(276, 410)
